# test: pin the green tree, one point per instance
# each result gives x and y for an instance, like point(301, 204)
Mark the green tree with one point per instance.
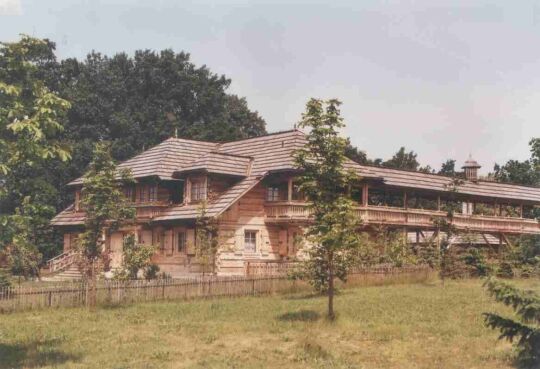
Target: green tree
point(521, 172)
point(526, 331)
point(403, 160)
point(448, 168)
point(207, 243)
point(355, 154)
point(106, 209)
point(333, 232)
point(30, 129)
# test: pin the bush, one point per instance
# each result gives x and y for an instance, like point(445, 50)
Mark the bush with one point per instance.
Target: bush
point(151, 272)
point(505, 270)
point(5, 279)
point(476, 262)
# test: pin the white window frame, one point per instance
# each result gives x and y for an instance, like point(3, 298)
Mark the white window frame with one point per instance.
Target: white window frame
point(250, 244)
point(198, 192)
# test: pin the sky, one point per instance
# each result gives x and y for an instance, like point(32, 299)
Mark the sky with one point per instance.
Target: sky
point(443, 78)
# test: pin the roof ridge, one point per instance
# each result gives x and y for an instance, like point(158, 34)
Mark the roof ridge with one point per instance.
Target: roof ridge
point(264, 135)
point(444, 176)
point(229, 154)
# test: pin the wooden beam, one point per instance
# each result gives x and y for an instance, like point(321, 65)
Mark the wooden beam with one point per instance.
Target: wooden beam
point(485, 239)
point(505, 238)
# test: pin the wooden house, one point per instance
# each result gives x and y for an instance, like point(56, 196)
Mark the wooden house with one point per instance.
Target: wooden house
point(250, 189)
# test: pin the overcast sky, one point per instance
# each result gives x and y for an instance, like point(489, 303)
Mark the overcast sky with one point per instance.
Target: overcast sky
point(445, 78)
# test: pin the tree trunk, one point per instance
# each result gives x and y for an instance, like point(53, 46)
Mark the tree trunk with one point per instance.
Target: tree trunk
point(331, 314)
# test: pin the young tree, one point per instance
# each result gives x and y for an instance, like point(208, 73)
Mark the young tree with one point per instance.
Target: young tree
point(206, 246)
point(136, 256)
point(106, 209)
point(526, 304)
point(333, 232)
point(30, 124)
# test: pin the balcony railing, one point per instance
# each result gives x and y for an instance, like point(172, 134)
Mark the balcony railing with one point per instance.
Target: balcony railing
point(150, 209)
point(379, 215)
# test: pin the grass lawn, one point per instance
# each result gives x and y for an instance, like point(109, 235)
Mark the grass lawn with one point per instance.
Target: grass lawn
point(400, 326)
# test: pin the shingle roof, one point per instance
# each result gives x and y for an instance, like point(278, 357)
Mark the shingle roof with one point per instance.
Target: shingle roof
point(162, 160)
point(68, 217)
point(435, 182)
point(219, 163)
point(254, 158)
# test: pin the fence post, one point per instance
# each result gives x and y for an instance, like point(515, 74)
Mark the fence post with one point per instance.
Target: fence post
point(163, 290)
point(253, 287)
point(50, 299)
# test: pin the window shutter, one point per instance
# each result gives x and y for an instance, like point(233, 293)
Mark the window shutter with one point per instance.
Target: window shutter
point(190, 244)
point(283, 242)
point(168, 242)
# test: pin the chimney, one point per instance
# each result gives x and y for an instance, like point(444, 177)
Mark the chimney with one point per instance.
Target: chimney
point(471, 167)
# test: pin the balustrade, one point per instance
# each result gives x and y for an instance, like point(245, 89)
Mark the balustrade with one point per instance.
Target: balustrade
point(290, 211)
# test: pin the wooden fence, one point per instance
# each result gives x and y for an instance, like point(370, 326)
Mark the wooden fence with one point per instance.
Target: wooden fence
point(124, 292)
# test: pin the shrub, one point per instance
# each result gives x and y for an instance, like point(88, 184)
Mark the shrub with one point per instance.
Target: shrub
point(526, 331)
point(505, 270)
point(151, 272)
point(476, 262)
point(5, 280)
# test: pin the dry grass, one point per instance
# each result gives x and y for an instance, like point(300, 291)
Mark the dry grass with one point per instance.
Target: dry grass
point(400, 326)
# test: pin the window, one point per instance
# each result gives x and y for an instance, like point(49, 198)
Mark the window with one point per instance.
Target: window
point(181, 240)
point(198, 190)
point(142, 193)
point(129, 193)
point(272, 194)
point(250, 241)
point(152, 193)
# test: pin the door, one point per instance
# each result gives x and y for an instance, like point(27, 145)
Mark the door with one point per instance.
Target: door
point(117, 245)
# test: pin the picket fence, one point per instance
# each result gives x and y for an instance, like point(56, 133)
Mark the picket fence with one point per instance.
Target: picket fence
point(111, 292)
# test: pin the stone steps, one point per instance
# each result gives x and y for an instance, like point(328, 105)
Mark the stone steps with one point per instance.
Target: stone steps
point(70, 273)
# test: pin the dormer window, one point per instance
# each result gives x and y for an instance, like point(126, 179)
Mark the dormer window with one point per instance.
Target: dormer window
point(198, 189)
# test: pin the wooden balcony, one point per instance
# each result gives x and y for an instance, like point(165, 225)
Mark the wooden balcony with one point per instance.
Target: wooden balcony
point(149, 210)
point(285, 212)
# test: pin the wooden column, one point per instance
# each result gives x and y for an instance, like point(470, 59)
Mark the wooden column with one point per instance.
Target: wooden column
point(405, 200)
point(289, 190)
point(365, 194)
point(521, 210)
point(439, 203)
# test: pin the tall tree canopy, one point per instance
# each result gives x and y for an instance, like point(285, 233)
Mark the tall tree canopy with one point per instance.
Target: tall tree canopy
point(448, 168)
point(135, 102)
point(402, 160)
point(525, 172)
